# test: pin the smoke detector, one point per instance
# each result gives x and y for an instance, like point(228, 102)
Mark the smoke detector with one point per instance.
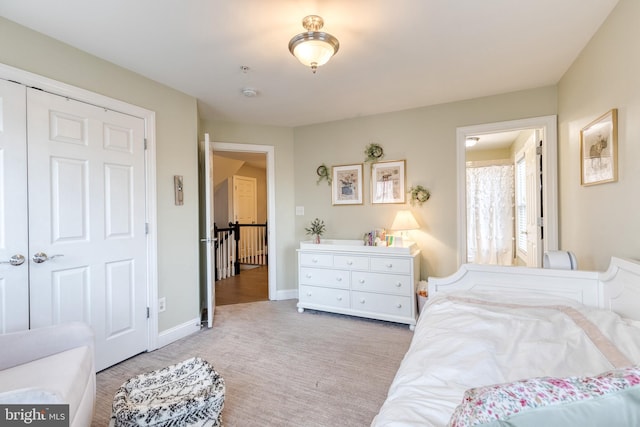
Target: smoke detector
point(249, 92)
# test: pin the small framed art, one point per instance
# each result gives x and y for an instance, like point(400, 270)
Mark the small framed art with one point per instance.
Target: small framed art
point(388, 182)
point(599, 150)
point(346, 185)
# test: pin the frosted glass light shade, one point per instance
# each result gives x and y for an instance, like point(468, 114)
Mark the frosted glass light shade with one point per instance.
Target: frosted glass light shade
point(313, 51)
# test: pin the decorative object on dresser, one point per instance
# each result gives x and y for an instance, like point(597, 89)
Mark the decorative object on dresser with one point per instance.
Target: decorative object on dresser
point(316, 229)
point(388, 182)
point(346, 277)
point(418, 194)
point(346, 188)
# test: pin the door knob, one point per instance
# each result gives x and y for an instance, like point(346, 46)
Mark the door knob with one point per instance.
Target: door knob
point(15, 260)
point(41, 257)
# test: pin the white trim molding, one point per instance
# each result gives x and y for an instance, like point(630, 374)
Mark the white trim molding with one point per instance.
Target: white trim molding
point(178, 332)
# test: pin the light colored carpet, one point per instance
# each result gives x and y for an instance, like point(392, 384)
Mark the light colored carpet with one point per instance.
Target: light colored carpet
point(281, 367)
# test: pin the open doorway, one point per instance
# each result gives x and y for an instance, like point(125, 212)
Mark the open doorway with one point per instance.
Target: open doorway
point(240, 200)
point(244, 200)
point(512, 171)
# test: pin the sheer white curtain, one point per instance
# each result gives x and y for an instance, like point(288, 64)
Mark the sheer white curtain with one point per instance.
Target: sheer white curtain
point(490, 192)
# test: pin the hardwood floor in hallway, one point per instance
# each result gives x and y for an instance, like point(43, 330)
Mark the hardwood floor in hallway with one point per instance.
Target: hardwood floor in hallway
point(248, 286)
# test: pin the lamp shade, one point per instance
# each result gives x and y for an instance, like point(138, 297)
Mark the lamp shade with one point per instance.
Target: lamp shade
point(404, 220)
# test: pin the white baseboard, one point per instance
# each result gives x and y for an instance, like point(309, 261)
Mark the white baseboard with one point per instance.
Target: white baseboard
point(287, 294)
point(180, 331)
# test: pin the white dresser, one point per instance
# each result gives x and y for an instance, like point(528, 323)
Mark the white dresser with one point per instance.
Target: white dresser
point(344, 276)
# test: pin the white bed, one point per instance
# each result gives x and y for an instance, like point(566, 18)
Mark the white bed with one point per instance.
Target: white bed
point(493, 325)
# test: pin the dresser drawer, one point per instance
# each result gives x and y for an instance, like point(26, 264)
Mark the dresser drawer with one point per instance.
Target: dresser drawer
point(324, 296)
point(351, 262)
point(394, 305)
point(384, 283)
point(324, 277)
point(316, 260)
point(391, 265)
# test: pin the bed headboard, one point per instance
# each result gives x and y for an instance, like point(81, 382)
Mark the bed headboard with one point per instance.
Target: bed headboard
point(620, 288)
point(617, 289)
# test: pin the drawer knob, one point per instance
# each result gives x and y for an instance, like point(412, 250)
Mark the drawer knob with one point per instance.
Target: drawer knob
point(362, 301)
point(350, 262)
point(389, 265)
point(314, 260)
point(339, 279)
point(399, 284)
point(308, 275)
point(339, 298)
point(399, 305)
point(308, 294)
point(361, 280)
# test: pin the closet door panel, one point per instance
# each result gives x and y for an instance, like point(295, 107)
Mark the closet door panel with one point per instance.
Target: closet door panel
point(14, 279)
point(87, 213)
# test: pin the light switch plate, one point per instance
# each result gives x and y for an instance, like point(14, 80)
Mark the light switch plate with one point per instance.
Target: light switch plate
point(299, 210)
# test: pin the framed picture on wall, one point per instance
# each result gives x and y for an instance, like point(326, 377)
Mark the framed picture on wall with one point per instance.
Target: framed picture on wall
point(599, 150)
point(346, 184)
point(388, 182)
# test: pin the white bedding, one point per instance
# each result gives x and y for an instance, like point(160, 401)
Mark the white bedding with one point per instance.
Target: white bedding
point(469, 340)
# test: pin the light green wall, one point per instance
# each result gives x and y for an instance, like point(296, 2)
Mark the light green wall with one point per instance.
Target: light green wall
point(176, 136)
point(282, 140)
point(426, 139)
point(602, 220)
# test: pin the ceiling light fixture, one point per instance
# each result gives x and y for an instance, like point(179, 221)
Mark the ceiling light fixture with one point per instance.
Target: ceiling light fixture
point(313, 48)
point(471, 141)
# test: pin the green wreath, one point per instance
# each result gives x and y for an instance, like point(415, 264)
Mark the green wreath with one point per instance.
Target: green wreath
point(419, 194)
point(323, 173)
point(374, 152)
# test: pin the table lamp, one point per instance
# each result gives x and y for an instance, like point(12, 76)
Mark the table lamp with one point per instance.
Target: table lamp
point(403, 222)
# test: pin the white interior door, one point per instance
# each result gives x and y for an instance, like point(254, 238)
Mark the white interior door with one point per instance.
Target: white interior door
point(206, 156)
point(14, 266)
point(534, 194)
point(245, 204)
point(245, 211)
point(87, 214)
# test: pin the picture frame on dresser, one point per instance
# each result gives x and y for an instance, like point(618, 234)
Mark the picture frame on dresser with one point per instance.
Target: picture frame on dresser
point(388, 182)
point(346, 184)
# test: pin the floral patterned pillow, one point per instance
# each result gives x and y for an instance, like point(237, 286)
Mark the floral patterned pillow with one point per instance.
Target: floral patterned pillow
point(487, 404)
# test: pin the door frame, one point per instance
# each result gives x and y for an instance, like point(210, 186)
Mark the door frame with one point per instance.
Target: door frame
point(549, 175)
point(62, 89)
point(271, 201)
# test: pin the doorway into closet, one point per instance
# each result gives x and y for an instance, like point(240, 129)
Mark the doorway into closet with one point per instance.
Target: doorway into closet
point(74, 209)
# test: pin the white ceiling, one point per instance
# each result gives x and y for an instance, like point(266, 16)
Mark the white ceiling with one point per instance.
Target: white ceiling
point(394, 55)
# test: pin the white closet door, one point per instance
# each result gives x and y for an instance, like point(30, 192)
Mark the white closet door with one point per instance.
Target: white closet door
point(14, 279)
point(87, 214)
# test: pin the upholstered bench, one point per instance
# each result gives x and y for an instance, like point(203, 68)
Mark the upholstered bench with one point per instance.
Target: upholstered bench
point(189, 393)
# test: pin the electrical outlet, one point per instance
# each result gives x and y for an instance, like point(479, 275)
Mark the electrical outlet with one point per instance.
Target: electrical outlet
point(162, 304)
